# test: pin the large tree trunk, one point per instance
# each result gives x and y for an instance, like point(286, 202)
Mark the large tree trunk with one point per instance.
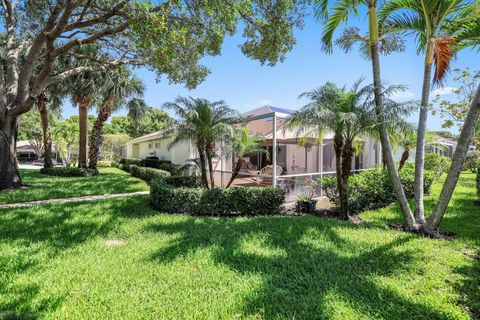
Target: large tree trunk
point(457, 164)
point(9, 174)
point(236, 170)
point(209, 153)
point(347, 157)
point(421, 134)
point(47, 136)
point(203, 168)
point(338, 145)
point(384, 137)
point(83, 126)
point(403, 159)
point(96, 138)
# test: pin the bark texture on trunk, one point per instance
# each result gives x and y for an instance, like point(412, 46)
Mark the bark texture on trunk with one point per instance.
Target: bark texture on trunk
point(338, 145)
point(47, 136)
point(83, 127)
point(9, 174)
point(385, 140)
point(96, 137)
point(457, 164)
point(403, 159)
point(203, 165)
point(421, 134)
point(236, 170)
point(347, 157)
point(209, 153)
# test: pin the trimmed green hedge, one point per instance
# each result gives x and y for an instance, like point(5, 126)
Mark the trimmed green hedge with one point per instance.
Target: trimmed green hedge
point(106, 164)
point(214, 202)
point(147, 174)
point(69, 172)
point(371, 190)
point(125, 163)
point(166, 165)
point(184, 181)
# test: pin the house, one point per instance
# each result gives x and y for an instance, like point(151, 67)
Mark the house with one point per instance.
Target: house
point(26, 151)
point(292, 162)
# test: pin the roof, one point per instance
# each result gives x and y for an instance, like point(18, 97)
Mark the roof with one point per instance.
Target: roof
point(267, 110)
point(151, 136)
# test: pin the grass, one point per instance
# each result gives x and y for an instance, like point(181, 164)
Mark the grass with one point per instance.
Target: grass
point(41, 187)
point(54, 264)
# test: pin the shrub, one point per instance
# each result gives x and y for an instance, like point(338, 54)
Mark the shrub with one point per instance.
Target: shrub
point(125, 163)
point(201, 201)
point(184, 181)
point(69, 172)
point(473, 156)
point(370, 190)
point(147, 174)
point(163, 165)
point(437, 163)
point(104, 164)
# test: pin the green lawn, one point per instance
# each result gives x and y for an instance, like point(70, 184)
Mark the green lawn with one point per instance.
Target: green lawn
point(40, 186)
point(54, 264)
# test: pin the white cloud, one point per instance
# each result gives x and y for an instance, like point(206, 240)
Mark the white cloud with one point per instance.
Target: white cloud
point(403, 95)
point(443, 91)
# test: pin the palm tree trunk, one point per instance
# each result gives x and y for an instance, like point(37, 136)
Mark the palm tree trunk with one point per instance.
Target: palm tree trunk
point(96, 138)
point(9, 174)
point(421, 133)
point(457, 163)
point(208, 151)
point(338, 145)
point(203, 168)
point(47, 136)
point(236, 170)
point(347, 157)
point(83, 124)
point(384, 138)
point(403, 159)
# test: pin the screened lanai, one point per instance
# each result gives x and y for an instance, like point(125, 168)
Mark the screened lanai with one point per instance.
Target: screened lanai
point(291, 164)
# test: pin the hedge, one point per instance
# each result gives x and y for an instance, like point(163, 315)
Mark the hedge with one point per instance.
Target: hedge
point(184, 181)
point(214, 202)
point(166, 165)
point(471, 159)
point(478, 180)
point(106, 164)
point(371, 190)
point(125, 163)
point(69, 172)
point(148, 174)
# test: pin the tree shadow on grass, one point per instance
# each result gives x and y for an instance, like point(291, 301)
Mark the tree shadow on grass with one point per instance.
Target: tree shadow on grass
point(32, 236)
point(315, 268)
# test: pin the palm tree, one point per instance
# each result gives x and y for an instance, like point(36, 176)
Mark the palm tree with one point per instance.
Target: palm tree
point(243, 144)
point(204, 123)
point(65, 135)
point(440, 28)
point(343, 113)
point(374, 44)
point(120, 90)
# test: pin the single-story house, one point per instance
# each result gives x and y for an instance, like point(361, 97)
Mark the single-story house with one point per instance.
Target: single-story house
point(292, 162)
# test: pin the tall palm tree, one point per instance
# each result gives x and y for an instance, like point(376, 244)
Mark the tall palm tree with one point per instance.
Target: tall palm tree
point(119, 90)
point(343, 113)
point(440, 28)
point(204, 123)
point(243, 144)
point(333, 18)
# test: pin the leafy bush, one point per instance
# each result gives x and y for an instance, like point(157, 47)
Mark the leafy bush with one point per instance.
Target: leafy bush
point(473, 156)
point(104, 164)
point(370, 190)
point(437, 163)
point(163, 165)
point(147, 174)
point(69, 172)
point(184, 181)
point(125, 163)
point(201, 201)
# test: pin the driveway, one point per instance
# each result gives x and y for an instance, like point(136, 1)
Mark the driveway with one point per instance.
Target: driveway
point(29, 166)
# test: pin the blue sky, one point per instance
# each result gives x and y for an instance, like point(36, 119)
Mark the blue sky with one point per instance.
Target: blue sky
point(245, 84)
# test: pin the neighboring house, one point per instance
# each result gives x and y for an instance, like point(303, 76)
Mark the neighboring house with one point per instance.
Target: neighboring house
point(293, 162)
point(25, 151)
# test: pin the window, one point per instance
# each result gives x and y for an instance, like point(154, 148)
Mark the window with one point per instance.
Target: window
point(157, 144)
point(150, 145)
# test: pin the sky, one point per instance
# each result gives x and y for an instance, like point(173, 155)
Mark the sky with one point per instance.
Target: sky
point(245, 84)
